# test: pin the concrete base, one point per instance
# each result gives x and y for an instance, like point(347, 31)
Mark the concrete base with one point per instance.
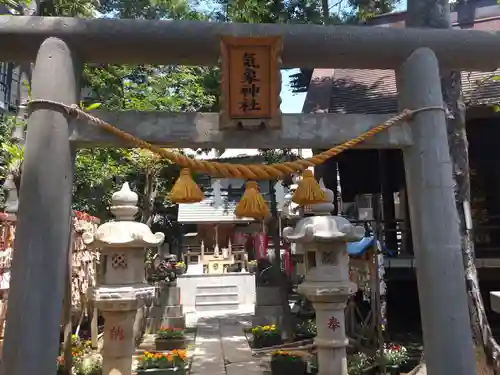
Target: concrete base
point(166, 310)
point(268, 309)
point(267, 315)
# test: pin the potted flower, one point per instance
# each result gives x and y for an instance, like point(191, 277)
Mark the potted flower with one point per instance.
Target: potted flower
point(162, 363)
point(394, 356)
point(170, 338)
point(252, 266)
point(80, 349)
point(287, 363)
point(180, 268)
point(264, 336)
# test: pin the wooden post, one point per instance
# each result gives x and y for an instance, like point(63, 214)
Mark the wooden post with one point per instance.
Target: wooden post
point(67, 311)
point(43, 230)
point(434, 221)
point(388, 207)
point(94, 327)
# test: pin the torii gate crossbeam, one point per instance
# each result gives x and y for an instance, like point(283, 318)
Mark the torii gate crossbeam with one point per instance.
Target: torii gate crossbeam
point(198, 43)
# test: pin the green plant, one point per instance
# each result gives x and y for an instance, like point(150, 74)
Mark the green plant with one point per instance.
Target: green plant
point(307, 327)
point(89, 365)
point(176, 358)
point(166, 333)
point(357, 363)
point(60, 363)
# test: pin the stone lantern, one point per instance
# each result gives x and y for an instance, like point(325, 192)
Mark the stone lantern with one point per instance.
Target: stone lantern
point(326, 284)
point(124, 290)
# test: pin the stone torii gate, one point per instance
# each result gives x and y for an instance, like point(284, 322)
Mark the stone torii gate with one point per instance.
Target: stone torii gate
point(60, 45)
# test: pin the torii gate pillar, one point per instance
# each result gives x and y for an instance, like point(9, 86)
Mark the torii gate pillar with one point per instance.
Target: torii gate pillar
point(446, 327)
point(44, 220)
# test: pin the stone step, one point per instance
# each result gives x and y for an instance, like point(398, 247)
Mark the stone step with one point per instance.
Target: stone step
point(217, 306)
point(217, 297)
point(216, 289)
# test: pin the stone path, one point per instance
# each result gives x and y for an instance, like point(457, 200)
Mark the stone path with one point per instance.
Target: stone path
point(221, 348)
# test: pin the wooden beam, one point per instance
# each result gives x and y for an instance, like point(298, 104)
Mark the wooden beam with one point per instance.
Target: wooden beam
point(128, 41)
point(195, 130)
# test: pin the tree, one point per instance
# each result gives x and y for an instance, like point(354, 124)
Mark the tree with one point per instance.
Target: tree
point(144, 88)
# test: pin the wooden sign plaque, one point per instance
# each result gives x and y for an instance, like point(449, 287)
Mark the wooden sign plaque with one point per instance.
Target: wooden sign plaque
point(250, 83)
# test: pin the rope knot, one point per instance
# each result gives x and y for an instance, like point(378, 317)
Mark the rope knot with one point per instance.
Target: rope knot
point(408, 114)
point(73, 110)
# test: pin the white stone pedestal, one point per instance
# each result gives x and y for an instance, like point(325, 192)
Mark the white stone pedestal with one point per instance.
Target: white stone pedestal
point(118, 346)
point(124, 290)
point(326, 284)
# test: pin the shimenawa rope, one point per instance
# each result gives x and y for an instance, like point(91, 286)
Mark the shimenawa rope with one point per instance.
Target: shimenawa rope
point(251, 203)
point(244, 171)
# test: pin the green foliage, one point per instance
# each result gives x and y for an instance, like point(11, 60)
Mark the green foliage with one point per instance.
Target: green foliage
point(98, 173)
point(151, 9)
point(66, 8)
point(11, 153)
point(153, 88)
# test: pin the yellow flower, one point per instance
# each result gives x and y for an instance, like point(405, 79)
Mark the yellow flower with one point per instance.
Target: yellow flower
point(266, 328)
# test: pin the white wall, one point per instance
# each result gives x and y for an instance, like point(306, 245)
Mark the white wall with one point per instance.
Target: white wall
point(245, 282)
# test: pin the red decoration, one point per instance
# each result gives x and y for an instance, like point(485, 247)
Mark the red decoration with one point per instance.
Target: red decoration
point(85, 216)
point(261, 242)
point(116, 333)
point(333, 323)
point(287, 260)
point(240, 238)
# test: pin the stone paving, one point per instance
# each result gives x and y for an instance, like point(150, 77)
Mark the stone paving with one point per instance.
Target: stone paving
point(221, 348)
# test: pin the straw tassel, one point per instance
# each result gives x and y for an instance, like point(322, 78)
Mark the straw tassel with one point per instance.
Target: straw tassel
point(252, 204)
point(185, 190)
point(308, 190)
